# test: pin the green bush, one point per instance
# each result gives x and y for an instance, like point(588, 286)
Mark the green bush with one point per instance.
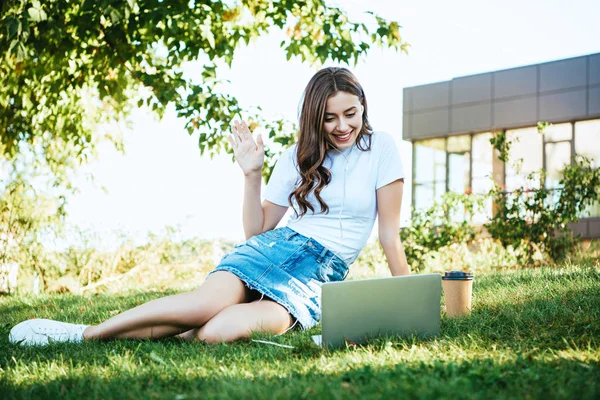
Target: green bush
point(446, 222)
point(28, 216)
point(538, 218)
point(479, 255)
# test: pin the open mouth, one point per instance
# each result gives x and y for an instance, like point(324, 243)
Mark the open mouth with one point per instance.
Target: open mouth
point(345, 137)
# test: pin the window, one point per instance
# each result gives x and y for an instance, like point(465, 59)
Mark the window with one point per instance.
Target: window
point(558, 133)
point(458, 149)
point(524, 157)
point(557, 149)
point(467, 163)
point(557, 156)
point(587, 143)
point(587, 140)
point(482, 163)
point(459, 163)
point(482, 175)
point(430, 171)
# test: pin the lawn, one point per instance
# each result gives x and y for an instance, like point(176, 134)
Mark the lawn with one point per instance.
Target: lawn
point(533, 333)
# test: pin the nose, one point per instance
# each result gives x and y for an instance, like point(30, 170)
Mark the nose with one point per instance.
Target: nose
point(343, 125)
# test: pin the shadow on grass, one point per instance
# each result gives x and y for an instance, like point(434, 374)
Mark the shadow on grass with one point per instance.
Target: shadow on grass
point(480, 378)
point(557, 319)
point(64, 307)
point(557, 322)
point(546, 320)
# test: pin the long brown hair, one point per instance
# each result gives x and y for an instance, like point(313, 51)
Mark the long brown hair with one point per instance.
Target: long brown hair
point(313, 142)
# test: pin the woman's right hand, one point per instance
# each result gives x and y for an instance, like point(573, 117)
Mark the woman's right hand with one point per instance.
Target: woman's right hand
point(250, 155)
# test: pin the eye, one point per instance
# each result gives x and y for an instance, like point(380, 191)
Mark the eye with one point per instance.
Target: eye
point(351, 115)
point(328, 119)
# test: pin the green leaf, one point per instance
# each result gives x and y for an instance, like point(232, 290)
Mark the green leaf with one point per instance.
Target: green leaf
point(12, 45)
point(35, 14)
point(115, 15)
point(88, 5)
point(21, 52)
point(206, 33)
point(155, 357)
point(13, 27)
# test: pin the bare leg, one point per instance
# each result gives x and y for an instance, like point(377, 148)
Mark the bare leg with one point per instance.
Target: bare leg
point(240, 320)
point(152, 332)
point(178, 313)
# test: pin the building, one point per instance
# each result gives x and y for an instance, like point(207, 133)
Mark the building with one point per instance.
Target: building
point(450, 124)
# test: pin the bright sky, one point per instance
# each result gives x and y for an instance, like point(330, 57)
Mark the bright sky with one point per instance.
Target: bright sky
point(162, 180)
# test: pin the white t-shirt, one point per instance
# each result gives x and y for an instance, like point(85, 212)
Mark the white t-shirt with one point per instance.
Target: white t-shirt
point(351, 196)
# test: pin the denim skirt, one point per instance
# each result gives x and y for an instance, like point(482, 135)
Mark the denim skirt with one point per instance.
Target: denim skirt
point(288, 268)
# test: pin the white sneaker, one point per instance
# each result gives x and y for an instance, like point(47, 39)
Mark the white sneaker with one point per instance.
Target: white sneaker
point(40, 332)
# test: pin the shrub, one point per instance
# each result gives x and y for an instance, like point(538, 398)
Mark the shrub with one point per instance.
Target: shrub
point(479, 255)
point(446, 222)
point(27, 218)
point(539, 217)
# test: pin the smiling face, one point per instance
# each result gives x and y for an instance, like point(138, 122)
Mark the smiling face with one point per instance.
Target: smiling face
point(343, 119)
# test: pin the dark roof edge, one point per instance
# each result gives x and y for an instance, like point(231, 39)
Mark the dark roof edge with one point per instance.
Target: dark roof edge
point(502, 70)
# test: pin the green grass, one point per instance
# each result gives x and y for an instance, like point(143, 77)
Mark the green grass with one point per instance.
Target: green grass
point(532, 334)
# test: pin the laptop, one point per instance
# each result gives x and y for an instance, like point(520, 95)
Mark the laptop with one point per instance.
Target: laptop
point(355, 311)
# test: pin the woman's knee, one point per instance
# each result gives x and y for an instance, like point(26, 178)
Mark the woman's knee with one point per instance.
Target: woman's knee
point(219, 291)
point(239, 321)
point(223, 330)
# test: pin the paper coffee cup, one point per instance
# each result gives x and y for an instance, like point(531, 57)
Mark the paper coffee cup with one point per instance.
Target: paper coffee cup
point(458, 290)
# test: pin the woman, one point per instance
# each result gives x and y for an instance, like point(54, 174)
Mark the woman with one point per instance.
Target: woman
point(338, 178)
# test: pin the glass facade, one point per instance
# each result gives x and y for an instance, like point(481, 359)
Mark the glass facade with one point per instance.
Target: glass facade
point(483, 154)
point(429, 171)
point(587, 143)
point(482, 177)
point(467, 163)
point(558, 144)
point(587, 140)
point(525, 156)
point(459, 163)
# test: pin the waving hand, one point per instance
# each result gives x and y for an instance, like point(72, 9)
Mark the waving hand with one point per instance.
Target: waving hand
point(250, 155)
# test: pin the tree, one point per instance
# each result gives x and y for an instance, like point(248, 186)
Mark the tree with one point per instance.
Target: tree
point(69, 65)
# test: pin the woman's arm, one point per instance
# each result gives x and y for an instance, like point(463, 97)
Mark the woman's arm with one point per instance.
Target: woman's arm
point(389, 202)
point(250, 156)
point(252, 213)
point(259, 218)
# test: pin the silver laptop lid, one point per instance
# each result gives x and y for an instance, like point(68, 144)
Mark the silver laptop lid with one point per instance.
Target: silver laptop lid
point(402, 305)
